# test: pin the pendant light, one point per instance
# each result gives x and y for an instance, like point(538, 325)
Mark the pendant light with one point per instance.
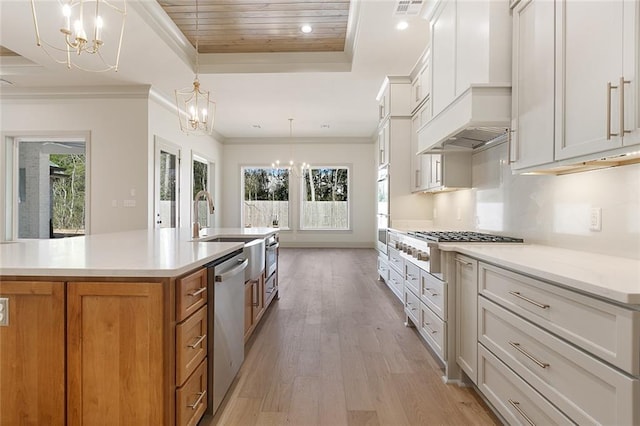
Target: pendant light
point(295, 169)
point(87, 35)
point(196, 110)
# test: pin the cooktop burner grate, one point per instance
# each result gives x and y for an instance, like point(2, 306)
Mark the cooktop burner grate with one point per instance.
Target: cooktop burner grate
point(464, 237)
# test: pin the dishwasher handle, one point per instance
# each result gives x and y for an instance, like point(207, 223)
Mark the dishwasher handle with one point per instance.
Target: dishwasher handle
point(223, 276)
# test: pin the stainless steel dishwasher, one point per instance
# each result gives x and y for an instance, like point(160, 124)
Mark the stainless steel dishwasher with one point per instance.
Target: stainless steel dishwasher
point(226, 276)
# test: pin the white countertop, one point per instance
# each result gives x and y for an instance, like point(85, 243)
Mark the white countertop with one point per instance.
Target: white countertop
point(144, 253)
point(610, 277)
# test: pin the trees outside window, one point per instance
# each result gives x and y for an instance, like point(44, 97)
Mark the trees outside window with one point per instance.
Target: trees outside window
point(325, 198)
point(266, 197)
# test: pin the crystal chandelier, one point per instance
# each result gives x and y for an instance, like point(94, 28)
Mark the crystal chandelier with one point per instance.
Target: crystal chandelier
point(88, 35)
point(196, 110)
point(296, 169)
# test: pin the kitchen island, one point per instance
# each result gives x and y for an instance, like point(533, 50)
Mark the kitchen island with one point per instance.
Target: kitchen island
point(109, 328)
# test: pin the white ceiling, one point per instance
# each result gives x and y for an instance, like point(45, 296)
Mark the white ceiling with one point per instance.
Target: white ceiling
point(344, 100)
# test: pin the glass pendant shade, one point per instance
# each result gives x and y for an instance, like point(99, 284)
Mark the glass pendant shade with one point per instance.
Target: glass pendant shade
point(82, 34)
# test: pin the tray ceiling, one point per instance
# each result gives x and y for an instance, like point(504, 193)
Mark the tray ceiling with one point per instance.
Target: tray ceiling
point(267, 26)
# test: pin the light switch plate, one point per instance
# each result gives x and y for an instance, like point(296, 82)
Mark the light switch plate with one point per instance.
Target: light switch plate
point(4, 312)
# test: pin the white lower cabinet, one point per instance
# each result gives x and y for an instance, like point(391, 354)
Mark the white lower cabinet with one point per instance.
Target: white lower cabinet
point(383, 267)
point(512, 397)
point(396, 283)
point(466, 315)
point(411, 306)
point(433, 330)
point(584, 388)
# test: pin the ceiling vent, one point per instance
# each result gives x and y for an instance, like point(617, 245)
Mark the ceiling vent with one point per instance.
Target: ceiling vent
point(408, 7)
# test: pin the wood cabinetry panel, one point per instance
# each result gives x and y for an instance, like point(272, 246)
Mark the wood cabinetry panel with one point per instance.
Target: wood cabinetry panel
point(191, 344)
point(191, 293)
point(115, 353)
point(32, 366)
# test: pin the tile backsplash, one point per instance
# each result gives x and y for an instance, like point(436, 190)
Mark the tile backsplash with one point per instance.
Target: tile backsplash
point(549, 210)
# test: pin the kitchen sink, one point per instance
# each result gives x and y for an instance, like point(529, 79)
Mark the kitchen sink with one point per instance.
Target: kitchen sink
point(254, 251)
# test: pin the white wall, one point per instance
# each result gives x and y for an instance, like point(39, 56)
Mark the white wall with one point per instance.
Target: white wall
point(122, 124)
point(163, 122)
point(117, 128)
point(550, 210)
point(359, 156)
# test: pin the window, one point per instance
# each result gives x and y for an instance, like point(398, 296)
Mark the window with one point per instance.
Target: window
point(266, 197)
point(202, 179)
point(325, 198)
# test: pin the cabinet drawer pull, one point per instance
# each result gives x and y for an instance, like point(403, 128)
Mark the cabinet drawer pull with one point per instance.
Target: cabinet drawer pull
point(517, 347)
point(430, 290)
point(197, 292)
point(198, 401)
point(198, 341)
point(526, 299)
point(431, 330)
point(516, 405)
point(463, 262)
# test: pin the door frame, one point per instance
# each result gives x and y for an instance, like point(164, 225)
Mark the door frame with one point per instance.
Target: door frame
point(9, 159)
point(161, 144)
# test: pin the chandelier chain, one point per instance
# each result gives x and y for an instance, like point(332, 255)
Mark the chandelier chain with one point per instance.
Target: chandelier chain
point(197, 41)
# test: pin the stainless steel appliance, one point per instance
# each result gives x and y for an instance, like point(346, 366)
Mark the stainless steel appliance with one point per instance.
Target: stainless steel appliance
point(463, 237)
point(382, 209)
point(271, 255)
point(226, 276)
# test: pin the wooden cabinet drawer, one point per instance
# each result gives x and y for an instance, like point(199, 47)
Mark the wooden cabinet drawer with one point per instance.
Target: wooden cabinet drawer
point(191, 399)
point(396, 283)
point(583, 387)
point(433, 293)
point(434, 330)
point(191, 293)
point(412, 277)
point(191, 344)
point(608, 331)
point(396, 261)
point(514, 399)
point(411, 305)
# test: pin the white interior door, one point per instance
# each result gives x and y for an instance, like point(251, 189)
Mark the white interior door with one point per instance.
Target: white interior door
point(167, 185)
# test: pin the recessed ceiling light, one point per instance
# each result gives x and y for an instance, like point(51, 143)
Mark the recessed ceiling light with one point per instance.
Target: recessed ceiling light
point(402, 25)
point(306, 28)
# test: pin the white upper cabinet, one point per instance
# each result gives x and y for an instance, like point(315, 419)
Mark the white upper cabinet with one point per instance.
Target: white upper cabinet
point(590, 67)
point(420, 86)
point(443, 56)
point(532, 137)
point(394, 98)
point(420, 164)
point(575, 74)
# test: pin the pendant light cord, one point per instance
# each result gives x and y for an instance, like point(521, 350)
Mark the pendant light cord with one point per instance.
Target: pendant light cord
point(197, 40)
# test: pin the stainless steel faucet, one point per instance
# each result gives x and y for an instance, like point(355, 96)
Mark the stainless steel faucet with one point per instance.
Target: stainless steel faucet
point(196, 222)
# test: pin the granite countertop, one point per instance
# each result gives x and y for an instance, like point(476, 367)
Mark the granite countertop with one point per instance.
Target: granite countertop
point(142, 253)
point(610, 277)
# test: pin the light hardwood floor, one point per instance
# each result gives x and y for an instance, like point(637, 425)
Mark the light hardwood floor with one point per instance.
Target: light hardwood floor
point(334, 351)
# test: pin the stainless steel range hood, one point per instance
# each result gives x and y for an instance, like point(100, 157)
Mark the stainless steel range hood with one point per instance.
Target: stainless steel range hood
point(480, 115)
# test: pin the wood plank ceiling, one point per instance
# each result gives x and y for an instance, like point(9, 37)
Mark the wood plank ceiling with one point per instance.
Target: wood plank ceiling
point(252, 26)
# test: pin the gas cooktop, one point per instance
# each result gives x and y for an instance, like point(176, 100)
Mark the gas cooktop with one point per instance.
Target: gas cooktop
point(463, 237)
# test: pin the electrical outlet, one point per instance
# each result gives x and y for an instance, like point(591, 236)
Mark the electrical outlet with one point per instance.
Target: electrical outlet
point(129, 203)
point(595, 222)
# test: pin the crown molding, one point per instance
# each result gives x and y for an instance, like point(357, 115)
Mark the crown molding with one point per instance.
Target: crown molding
point(302, 141)
point(76, 92)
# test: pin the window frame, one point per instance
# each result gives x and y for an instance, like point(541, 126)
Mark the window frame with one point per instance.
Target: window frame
point(301, 184)
point(243, 167)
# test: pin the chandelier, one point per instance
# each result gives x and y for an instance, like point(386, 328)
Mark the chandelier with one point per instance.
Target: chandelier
point(296, 169)
point(196, 110)
point(87, 35)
